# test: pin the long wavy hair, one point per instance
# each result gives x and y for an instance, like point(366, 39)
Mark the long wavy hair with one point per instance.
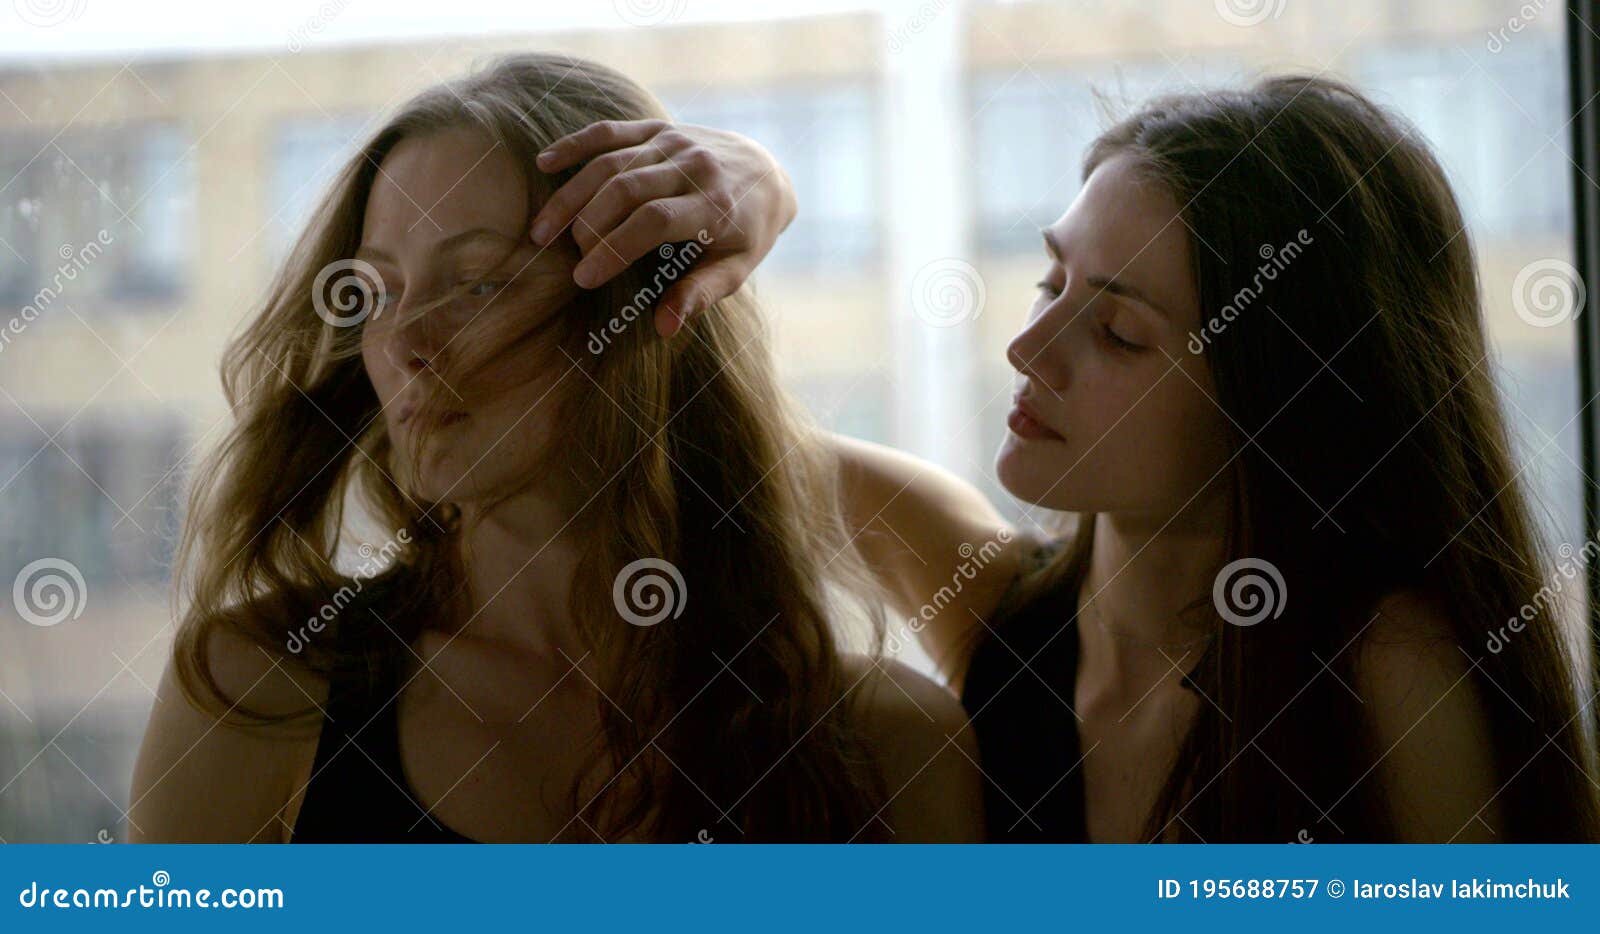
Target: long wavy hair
point(1417, 476)
point(683, 451)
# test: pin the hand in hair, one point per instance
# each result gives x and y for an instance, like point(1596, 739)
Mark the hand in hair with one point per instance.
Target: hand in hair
point(649, 182)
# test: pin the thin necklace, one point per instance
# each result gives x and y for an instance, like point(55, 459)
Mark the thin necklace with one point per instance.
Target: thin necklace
point(1100, 621)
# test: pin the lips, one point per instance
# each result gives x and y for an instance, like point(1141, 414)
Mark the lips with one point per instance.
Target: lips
point(1024, 421)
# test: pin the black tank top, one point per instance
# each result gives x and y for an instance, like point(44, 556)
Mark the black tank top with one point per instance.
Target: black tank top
point(1019, 694)
point(358, 791)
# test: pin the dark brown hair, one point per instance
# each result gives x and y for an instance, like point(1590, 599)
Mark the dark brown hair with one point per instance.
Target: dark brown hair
point(1416, 475)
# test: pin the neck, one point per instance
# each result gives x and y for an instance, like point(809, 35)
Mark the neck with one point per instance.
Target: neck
point(518, 563)
point(1142, 575)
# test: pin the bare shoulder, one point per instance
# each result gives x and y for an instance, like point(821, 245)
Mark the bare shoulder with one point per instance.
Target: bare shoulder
point(208, 773)
point(927, 750)
point(938, 545)
point(1430, 722)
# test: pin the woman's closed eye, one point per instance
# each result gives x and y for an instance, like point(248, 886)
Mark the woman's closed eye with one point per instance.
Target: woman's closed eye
point(1107, 333)
point(1117, 341)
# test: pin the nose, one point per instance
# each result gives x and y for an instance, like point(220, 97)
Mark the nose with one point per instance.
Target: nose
point(413, 344)
point(1038, 352)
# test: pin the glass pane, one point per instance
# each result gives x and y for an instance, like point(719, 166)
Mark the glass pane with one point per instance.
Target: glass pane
point(150, 186)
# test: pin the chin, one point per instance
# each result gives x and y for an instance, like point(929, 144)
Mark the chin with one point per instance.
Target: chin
point(435, 479)
point(1021, 472)
point(1034, 473)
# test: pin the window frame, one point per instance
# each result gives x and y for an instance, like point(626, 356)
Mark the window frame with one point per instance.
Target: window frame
point(1583, 64)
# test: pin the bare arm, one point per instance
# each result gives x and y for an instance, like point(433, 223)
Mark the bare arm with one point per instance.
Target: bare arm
point(1435, 751)
point(936, 544)
point(204, 779)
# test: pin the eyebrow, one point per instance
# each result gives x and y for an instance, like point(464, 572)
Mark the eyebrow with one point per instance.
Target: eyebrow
point(453, 242)
point(1106, 283)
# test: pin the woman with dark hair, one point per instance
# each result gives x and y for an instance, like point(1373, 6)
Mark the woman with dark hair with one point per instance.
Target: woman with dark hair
point(1254, 385)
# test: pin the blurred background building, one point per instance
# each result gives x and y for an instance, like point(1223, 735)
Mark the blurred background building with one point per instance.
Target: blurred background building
point(169, 166)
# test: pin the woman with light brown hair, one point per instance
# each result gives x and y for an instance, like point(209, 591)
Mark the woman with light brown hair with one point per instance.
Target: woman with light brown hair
point(612, 566)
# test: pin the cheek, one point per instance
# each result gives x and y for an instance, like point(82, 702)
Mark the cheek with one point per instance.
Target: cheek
point(1181, 437)
point(1202, 433)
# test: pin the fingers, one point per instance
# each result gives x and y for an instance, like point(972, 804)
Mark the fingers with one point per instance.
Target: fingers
point(701, 288)
point(621, 196)
point(571, 197)
point(594, 139)
point(651, 225)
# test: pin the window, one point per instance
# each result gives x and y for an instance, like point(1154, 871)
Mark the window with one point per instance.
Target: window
point(307, 153)
point(1496, 119)
point(108, 208)
point(1030, 129)
point(825, 139)
point(102, 493)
